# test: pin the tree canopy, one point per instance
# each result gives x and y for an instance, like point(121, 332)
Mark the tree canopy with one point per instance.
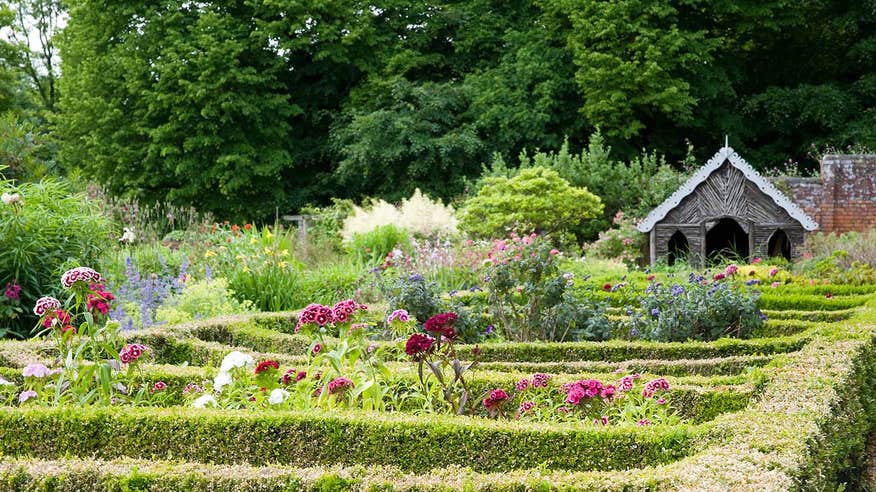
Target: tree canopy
point(239, 107)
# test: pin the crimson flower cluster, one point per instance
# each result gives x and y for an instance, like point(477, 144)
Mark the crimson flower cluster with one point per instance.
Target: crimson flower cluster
point(58, 317)
point(419, 345)
point(99, 299)
point(132, 352)
point(441, 325)
point(493, 402)
point(266, 365)
point(80, 274)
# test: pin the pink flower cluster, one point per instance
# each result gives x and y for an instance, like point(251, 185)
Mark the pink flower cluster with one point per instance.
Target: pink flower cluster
point(526, 407)
point(540, 380)
point(132, 352)
point(441, 324)
point(192, 388)
point(587, 388)
point(398, 315)
point(339, 385)
point(58, 317)
point(626, 382)
point(80, 274)
point(323, 315)
point(12, 292)
point(653, 386)
point(344, 309)
point(44, 304)
point(99, 299)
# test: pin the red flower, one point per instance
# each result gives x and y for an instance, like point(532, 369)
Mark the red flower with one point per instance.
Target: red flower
point(606, 287)
point(159, 386)
point(316, 349)
point(56, 316)
point(651, 277)
point(719, 276)
point(418, 345)
point(265, 365)
point(247, 226)
point(441, 324)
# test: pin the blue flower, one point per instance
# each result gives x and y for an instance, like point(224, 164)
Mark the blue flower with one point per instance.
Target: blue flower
point(676, 290)
point(489, 329)
point(416, 277)
point(752, 282)
point(655, 312)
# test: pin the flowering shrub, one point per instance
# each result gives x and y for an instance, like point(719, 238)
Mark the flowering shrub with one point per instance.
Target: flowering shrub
point(622, 242)
point(700, 309)
point(532, 300)
point(419, 297)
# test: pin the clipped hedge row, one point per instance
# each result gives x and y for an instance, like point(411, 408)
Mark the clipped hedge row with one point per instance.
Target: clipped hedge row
point(339, 437)
point(685, 367)
point(783, 327)
point(808, 302)
point(818, 316)
point(621, 350)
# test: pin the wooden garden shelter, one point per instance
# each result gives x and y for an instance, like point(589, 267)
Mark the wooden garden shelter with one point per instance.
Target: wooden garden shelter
point(727, 209)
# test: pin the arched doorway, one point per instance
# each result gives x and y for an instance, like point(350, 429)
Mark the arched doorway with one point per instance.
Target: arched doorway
point(678, 248)
point(727, 239)
point(779, 245)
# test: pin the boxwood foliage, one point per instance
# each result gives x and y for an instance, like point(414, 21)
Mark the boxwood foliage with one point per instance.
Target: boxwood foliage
point(411, 443)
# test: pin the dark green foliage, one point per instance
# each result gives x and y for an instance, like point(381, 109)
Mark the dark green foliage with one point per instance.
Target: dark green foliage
point(241, 107)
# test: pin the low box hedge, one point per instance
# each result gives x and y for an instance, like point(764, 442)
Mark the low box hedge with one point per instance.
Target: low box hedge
point(809, 302)
point(340, 437)
point(817, 316)
point(684, 367)
point(621, 350)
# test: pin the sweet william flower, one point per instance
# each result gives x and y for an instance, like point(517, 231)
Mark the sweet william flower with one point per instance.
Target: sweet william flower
point(26, 395)
point(278, 396)
point(236, 359)
point(35, 371)
point(204, 401)
point(44, 304)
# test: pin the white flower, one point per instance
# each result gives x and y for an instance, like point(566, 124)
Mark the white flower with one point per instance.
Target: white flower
point(203, 401)
point(4, 382)
point(10, 198)
point(236, 359)
point(278, 396)
point(221, 380)
point(128, 237)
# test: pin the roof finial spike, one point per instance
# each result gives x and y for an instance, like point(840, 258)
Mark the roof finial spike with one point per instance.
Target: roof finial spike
point(726, 140)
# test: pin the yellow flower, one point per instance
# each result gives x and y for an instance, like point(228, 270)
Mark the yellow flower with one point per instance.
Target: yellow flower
point(268, 251)
point(240, 257)
point(268, 234)
point(282, 264)
point(253, 241)
point(209, 253)
point(245, 268)
point(284, 253)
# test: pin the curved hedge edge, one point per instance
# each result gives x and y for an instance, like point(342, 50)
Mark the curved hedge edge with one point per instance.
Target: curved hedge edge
point(29, 475)
point(806, 315)
point(719, 366)
point(806, 431)
point(785, 302)
point(621, 350)
point(340, 437)
point(784, 327)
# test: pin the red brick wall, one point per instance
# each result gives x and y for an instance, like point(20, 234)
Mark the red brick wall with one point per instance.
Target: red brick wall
point(848, 201)
point(805, 192)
